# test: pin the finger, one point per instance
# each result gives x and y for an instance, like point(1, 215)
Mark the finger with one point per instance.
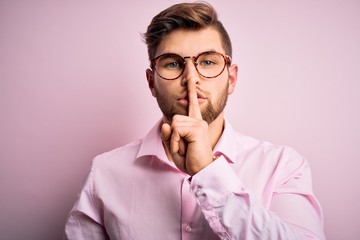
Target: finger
point(175, 143)
point(182, 147)
point(194, 107)
point(178, 151)
point(165, 133)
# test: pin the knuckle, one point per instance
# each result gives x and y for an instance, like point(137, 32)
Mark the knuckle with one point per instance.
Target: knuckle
point(203, 124)
point(177, 118)
point(175, 121)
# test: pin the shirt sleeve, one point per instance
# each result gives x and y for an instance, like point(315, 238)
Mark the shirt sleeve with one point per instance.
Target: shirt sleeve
point(84, 221)
point(233, 212)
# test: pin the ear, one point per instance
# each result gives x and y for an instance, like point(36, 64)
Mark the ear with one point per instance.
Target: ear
point(233, 72)
point(150, 79)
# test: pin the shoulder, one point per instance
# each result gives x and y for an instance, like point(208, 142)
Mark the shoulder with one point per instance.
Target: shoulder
point(123, 155)
point(267, 152)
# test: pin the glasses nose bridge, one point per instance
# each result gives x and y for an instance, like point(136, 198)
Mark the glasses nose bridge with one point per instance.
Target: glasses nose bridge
point(193, 58)
point(190, 69)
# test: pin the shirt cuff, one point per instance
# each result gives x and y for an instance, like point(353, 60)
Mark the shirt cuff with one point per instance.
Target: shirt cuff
point(215, 182)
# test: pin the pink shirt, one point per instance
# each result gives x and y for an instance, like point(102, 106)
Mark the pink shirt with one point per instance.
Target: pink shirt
point(254, 190)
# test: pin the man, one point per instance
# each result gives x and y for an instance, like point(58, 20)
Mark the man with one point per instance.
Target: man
point(192, 176)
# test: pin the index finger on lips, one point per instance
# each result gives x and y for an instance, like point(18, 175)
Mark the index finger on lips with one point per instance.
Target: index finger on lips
point(194, 107)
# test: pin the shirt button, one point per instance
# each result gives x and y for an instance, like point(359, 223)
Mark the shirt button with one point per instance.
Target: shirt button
point(188, 228)
point(199, 192)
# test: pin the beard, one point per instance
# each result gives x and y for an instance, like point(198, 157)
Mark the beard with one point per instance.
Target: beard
point(209, 112)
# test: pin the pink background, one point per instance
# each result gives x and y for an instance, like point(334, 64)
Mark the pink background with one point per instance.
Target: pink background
point(72, 85)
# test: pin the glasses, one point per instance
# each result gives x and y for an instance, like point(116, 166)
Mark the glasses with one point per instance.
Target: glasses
point(209, 64)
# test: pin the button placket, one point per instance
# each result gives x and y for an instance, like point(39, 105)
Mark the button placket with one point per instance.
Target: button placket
point(189, 209)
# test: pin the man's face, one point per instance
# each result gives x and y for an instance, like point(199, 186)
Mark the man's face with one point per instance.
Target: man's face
point(172, 96)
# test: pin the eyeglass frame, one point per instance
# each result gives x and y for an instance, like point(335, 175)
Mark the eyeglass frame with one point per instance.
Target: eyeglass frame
point(227, 61)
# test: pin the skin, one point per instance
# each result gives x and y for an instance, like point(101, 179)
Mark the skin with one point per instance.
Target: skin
point(187, 138)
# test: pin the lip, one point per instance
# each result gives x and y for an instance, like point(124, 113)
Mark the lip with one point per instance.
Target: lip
point(184, 100)
point(185, 95)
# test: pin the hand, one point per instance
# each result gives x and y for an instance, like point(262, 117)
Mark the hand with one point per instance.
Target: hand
point(187, 138)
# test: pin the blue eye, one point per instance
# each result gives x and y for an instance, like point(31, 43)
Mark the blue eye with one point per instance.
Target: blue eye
point(173, 65)
point(207, 63)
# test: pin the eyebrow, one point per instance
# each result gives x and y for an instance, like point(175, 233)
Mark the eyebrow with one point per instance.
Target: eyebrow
point(209, 50)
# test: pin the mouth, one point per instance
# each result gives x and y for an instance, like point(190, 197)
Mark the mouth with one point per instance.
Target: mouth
point(184, 100)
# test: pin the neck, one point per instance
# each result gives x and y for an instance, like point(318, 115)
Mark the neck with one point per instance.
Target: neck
point(216, 128)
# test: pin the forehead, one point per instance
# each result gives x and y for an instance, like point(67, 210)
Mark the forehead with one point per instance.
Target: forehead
point(186, 42)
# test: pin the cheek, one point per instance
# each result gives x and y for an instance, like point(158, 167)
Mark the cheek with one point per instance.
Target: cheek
point(218, 87)
point(162, 90)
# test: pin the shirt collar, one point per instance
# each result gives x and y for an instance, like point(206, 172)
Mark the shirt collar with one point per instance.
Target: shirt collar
point(227, 144)
point(152, 145)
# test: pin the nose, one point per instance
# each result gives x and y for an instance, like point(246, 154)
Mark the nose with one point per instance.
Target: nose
point(190, 73)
